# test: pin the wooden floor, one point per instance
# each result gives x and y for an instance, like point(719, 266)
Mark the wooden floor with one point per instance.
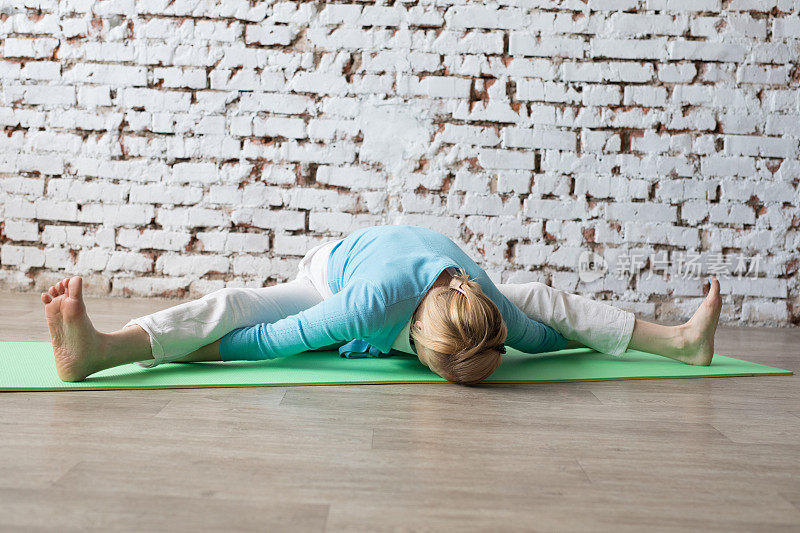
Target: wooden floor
point(713, 454)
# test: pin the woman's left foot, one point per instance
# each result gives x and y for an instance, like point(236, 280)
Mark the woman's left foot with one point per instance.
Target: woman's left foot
point(77, 345)
point(698, 332)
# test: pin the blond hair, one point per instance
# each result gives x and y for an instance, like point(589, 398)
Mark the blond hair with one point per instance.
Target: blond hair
point(463, 332)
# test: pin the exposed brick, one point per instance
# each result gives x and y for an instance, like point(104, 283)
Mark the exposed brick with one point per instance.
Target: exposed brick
point(209, 145)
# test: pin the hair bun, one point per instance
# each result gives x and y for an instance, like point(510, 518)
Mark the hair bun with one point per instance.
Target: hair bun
point(457, 284)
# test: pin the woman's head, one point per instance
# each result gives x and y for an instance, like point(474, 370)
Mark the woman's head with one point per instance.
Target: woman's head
point(458, 331)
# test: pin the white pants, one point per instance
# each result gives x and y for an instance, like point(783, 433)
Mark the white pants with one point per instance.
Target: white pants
point(179, 330)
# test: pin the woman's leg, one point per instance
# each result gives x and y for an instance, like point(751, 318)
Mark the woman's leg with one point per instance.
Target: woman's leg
point(588, 322)
point(611, 330)
point(186, 332)
point(181, 330)
point(691, 342)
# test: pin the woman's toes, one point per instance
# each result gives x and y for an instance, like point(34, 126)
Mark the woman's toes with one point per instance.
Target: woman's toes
point(76, 287)
point(53, 291)
point(46, 299)
point(713, 288)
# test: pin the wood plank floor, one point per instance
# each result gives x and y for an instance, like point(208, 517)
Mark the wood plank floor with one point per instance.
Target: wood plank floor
point(713, 454)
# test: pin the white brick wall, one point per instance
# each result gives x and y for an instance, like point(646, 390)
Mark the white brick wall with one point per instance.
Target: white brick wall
point(174, 148)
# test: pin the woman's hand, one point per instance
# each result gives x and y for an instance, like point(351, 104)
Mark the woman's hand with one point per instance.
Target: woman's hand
point(574, 344)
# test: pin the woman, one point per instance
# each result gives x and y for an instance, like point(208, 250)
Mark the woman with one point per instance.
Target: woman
point(389, 287)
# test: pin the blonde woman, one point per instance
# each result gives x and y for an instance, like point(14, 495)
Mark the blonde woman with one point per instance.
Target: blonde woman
point(379, 290)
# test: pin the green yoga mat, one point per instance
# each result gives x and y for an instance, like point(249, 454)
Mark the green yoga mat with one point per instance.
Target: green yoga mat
point(29, 366)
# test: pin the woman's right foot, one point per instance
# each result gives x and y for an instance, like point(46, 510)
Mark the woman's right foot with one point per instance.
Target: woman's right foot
point(77, 345)
point(698, 332)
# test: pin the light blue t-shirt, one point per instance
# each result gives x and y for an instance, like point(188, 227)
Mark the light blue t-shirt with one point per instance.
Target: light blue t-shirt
point(378, 277)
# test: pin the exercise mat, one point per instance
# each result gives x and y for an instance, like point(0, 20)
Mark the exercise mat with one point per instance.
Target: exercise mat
point(29, 366)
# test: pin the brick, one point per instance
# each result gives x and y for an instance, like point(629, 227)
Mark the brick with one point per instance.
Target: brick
point(633, 211)
point(470, 181)
point(646, 24)
point(25, 257)
point(111, 261)
point(269, 219)
point(233, 242)
point(269, 34)
point(295, 244)
point(760, 287)
point(294, 128)
point(629, 49)
point(538, 138)
point(318, 83)
point(159, 193)
point(78, 236)
point(21, 230)
point(706, 51)
point(246, 80)
point(695, 211)
point(727, 166)
point(86, 191)
point(44, 95)
point(684, 5)
point(48, 209)
point(607, 71)
point(555, 209)
point(138, 239)
point(601, 95)
point(191, 78)
point(190, 217)
point(611, 187)
point(153, 100)
point(763, 75)
point(538, 90)
point(731, 27)
point(458, 42)
point(662, 234)
point(115, 75)
point(478, 204)
point(434, 86)
point(755, 311)
point(248, 265)
point(172, 264)
point(330, 129)
point(33, 48)
point(764, 146)
point(195, 173)
point(676, 72)
point(291, 13)
point(506, 159)
point(334, 14)
point(353, 178)
point(528, 44)
point(786, 27)
point(645, 96)
point(40, 71)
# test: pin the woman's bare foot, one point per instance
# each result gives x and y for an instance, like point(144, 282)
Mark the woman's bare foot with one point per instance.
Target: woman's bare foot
point(76, 344)
point(698, 332)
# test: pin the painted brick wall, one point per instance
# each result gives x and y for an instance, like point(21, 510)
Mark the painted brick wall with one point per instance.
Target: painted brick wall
point(173, 147)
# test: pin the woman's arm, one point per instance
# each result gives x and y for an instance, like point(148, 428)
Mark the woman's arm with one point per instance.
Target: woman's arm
point(529, 336)
point(352, 313)
point(574, 344)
